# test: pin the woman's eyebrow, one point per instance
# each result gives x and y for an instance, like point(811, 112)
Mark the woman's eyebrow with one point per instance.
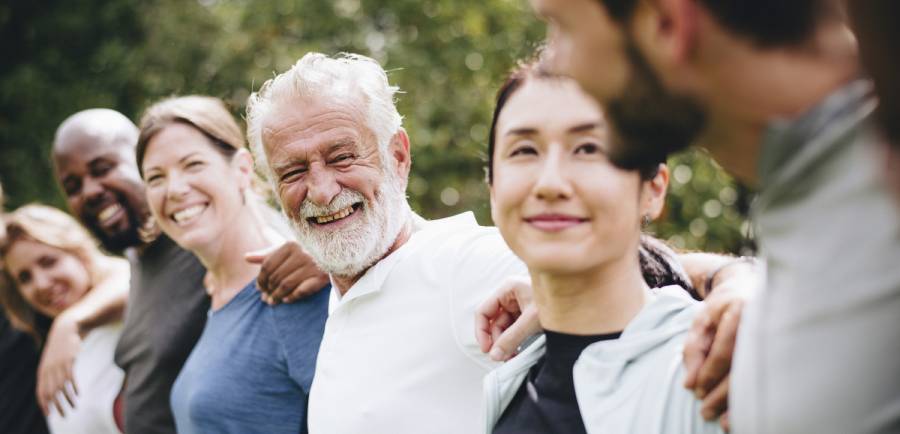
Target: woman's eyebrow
point(580, 128)
point(522, 132)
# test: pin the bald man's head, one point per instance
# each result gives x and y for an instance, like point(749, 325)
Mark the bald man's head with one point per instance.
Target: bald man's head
point(93, 156)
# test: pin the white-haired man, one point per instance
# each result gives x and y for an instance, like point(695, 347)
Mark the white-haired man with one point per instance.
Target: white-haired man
point(399, 352)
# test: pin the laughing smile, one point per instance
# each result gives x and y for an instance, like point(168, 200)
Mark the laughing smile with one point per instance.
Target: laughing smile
point(336, 216)
point(186, 215)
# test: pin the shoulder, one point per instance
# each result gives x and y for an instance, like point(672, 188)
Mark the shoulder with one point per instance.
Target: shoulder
point(460, 239)
point(315, 302)
point(305, 316)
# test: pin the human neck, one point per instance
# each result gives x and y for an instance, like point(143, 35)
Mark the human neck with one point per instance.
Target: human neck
point(598, 301)
point(344, 283)
point(749, 87)
point(227, 270)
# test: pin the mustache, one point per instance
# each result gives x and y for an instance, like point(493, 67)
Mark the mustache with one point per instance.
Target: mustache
point(344, 199)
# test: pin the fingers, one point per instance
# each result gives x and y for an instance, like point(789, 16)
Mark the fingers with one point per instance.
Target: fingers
point(696, 347)
point(725, 421)
point(292, 285)
point(500, 324)
point(306, 288)
point(56, 403)
point(506, 344)
point(49, 393)
point(289, 274)
point(70, 379)
point(69, 395)
point(716, 402)
point(258, 256)
point(718, 363)
point(485, 315)
point(499, 327)
point(271, 268)
point(43, 402)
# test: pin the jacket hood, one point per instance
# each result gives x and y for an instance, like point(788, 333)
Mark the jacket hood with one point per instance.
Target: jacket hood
point(612, 364)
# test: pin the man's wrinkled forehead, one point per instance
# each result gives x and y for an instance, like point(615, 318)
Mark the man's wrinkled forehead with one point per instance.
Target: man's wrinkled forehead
point(294, 119)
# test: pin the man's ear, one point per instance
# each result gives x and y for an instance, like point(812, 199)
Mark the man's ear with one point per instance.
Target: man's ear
point(653, 194)
point(399, 149)
point(667, 29)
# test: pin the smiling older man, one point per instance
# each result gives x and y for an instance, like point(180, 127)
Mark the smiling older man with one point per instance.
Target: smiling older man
point(398, 354)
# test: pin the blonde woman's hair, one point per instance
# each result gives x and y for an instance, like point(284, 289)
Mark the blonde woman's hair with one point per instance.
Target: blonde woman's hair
point(209, 115)
point(51, 227)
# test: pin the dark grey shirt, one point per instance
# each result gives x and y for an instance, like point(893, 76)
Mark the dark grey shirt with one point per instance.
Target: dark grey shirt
point(166, 313)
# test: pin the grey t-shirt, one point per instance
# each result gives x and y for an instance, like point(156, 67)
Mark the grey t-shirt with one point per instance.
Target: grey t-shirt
point(819, 349)
point(166, 313)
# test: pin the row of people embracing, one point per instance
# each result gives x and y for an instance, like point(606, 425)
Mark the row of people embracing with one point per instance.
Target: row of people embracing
point(229, 329)
point(223, 327)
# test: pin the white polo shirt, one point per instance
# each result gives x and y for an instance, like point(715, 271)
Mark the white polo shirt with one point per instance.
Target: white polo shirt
point(399, 353)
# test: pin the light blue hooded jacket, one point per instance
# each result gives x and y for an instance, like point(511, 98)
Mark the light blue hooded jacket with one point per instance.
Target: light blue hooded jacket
point(633, 384)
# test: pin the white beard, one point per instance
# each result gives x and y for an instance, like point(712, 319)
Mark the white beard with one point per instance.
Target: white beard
point(355, 248)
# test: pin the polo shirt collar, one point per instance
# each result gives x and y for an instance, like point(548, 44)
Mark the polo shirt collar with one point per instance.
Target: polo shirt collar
point(373, 279)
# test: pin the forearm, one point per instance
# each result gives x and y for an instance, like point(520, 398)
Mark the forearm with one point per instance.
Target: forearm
point(701, 267)
point(105, 302)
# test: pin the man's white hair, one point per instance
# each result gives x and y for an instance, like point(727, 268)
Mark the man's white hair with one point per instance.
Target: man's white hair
point(316, 77)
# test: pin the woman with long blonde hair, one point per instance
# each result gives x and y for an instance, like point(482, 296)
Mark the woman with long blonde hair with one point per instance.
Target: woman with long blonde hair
point(52, 262)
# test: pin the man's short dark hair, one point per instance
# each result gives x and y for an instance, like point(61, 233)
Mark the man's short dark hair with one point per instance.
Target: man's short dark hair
point(768, 23)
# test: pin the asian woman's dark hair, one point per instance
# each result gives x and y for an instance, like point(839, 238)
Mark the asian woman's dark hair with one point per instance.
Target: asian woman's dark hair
point(659, 263)
point(514, 82)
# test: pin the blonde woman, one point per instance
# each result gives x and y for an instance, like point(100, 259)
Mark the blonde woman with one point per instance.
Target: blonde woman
point(252, 368)
point(53, 263)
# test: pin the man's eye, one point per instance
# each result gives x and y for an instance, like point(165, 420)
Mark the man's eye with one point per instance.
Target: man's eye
point(72, 188)
point(101, 169)
point(292, 175)
point(342, 157)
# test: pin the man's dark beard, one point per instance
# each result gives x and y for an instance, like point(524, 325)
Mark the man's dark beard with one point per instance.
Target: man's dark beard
point(118, 242)
point(649, 123)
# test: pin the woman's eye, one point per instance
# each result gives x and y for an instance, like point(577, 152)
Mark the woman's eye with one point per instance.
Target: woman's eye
point(153, 179)
point(47, 261)
point(194, 165)
point(523, 150)
point(24, 277)
point(588, 149)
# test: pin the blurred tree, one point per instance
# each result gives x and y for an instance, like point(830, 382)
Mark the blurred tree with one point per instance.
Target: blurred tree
point(448, 56)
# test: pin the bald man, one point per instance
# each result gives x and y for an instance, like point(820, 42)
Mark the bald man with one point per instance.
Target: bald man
point(94, 161)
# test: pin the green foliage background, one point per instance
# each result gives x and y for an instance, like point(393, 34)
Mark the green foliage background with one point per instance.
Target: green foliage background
point(449, 56)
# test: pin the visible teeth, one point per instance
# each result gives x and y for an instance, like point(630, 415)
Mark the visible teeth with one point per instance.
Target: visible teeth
point(336, 216)
point(188, 213)
point(108, 212)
